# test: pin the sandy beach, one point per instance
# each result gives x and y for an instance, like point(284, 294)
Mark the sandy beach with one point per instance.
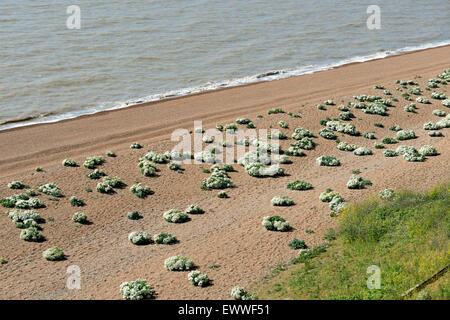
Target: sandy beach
point(230, 233)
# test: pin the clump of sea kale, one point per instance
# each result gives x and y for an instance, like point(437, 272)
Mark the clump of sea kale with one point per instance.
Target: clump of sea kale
point(276, 223)
point(329, 161)
point(178, 263)
point(198, 279)
point(344, 146)
point(218, 180)
point(164, 238)
point(299, 185)
point(386, 194)
point(239, 293)
point(53, 254)
point(17, 185)
point(80, 217)
point(175, 216)
point(282, 201)
point(93, 162)
point(136, 290)
point(69, 163)
point(362, 151)
point(140, 190)
point(356, 182)
point(328, 195)
point(140, 238)
point(50, 189)
point(405, 135)
point(109, 184)
point(194, 209)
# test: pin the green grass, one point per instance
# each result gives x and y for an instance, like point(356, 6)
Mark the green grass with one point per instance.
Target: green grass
point(407, 237)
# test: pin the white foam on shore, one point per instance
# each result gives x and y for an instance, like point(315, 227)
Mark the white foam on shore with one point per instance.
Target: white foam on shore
point(266, 76)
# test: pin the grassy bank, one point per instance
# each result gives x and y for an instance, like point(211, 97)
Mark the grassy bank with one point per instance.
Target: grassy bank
point(407, 237)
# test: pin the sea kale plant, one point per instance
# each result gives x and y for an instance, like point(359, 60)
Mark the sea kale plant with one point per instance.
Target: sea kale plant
point(140, 238)
point(329, 161)
point(299, 185)
point(178, 263)
point(198, 279)
point(282, 201)
point(53, 254)
point(276, 223)
point(239, 293)
point(164, 238)
point(175, 216)
point(93, 162)
point(140, 190)
point(356, 182)
point(50, 189)
point(136, 290)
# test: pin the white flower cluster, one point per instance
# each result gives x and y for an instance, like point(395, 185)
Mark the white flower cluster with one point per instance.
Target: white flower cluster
point(108, 184)
point(277, 135)
point(439, 113)
point(69, 163)
point(390, 153)
point(50, 189)
point(300, 133)
point(405, 134)
point(435, 134)
point(376, 108)
point(206, 156)
point(346, 128)
point(219, 179)
point(423, 100)
point(173, 166)
point(194, 209)
point(428, 151)
point(386, 193)
point(178, 263)
point(282, 201)
point(431, 126)
point(156, 157)
point(208, 139)
point(356, 182)
point(276, 223)
point(164, 238)
point(327, 134)
point(79, 217)
point(22, 216)
point(175, 216)
point(329, 161)
point(369, 135)
point(444, 123)
point(446, 102)
point(33, 203)
point(243, 120)
point(304, 143)
point(344, 146)
point(148, 168)
point(337, 204)
point(16, 185)
point(93, 162)
point(198, 279)
point(346, 116)
point(136, 290)
point(239, 293)
point(362, 151)
point(328, 195)
point(31, 234)
point(438, 96)
point(283, 159)
point(410, 107)
point(410, 153)
point(53, 254)
point(294, 150)
point(139, 238)
point(140, 190)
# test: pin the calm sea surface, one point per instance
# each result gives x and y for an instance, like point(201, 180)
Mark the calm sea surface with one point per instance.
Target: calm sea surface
point(128, 52)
